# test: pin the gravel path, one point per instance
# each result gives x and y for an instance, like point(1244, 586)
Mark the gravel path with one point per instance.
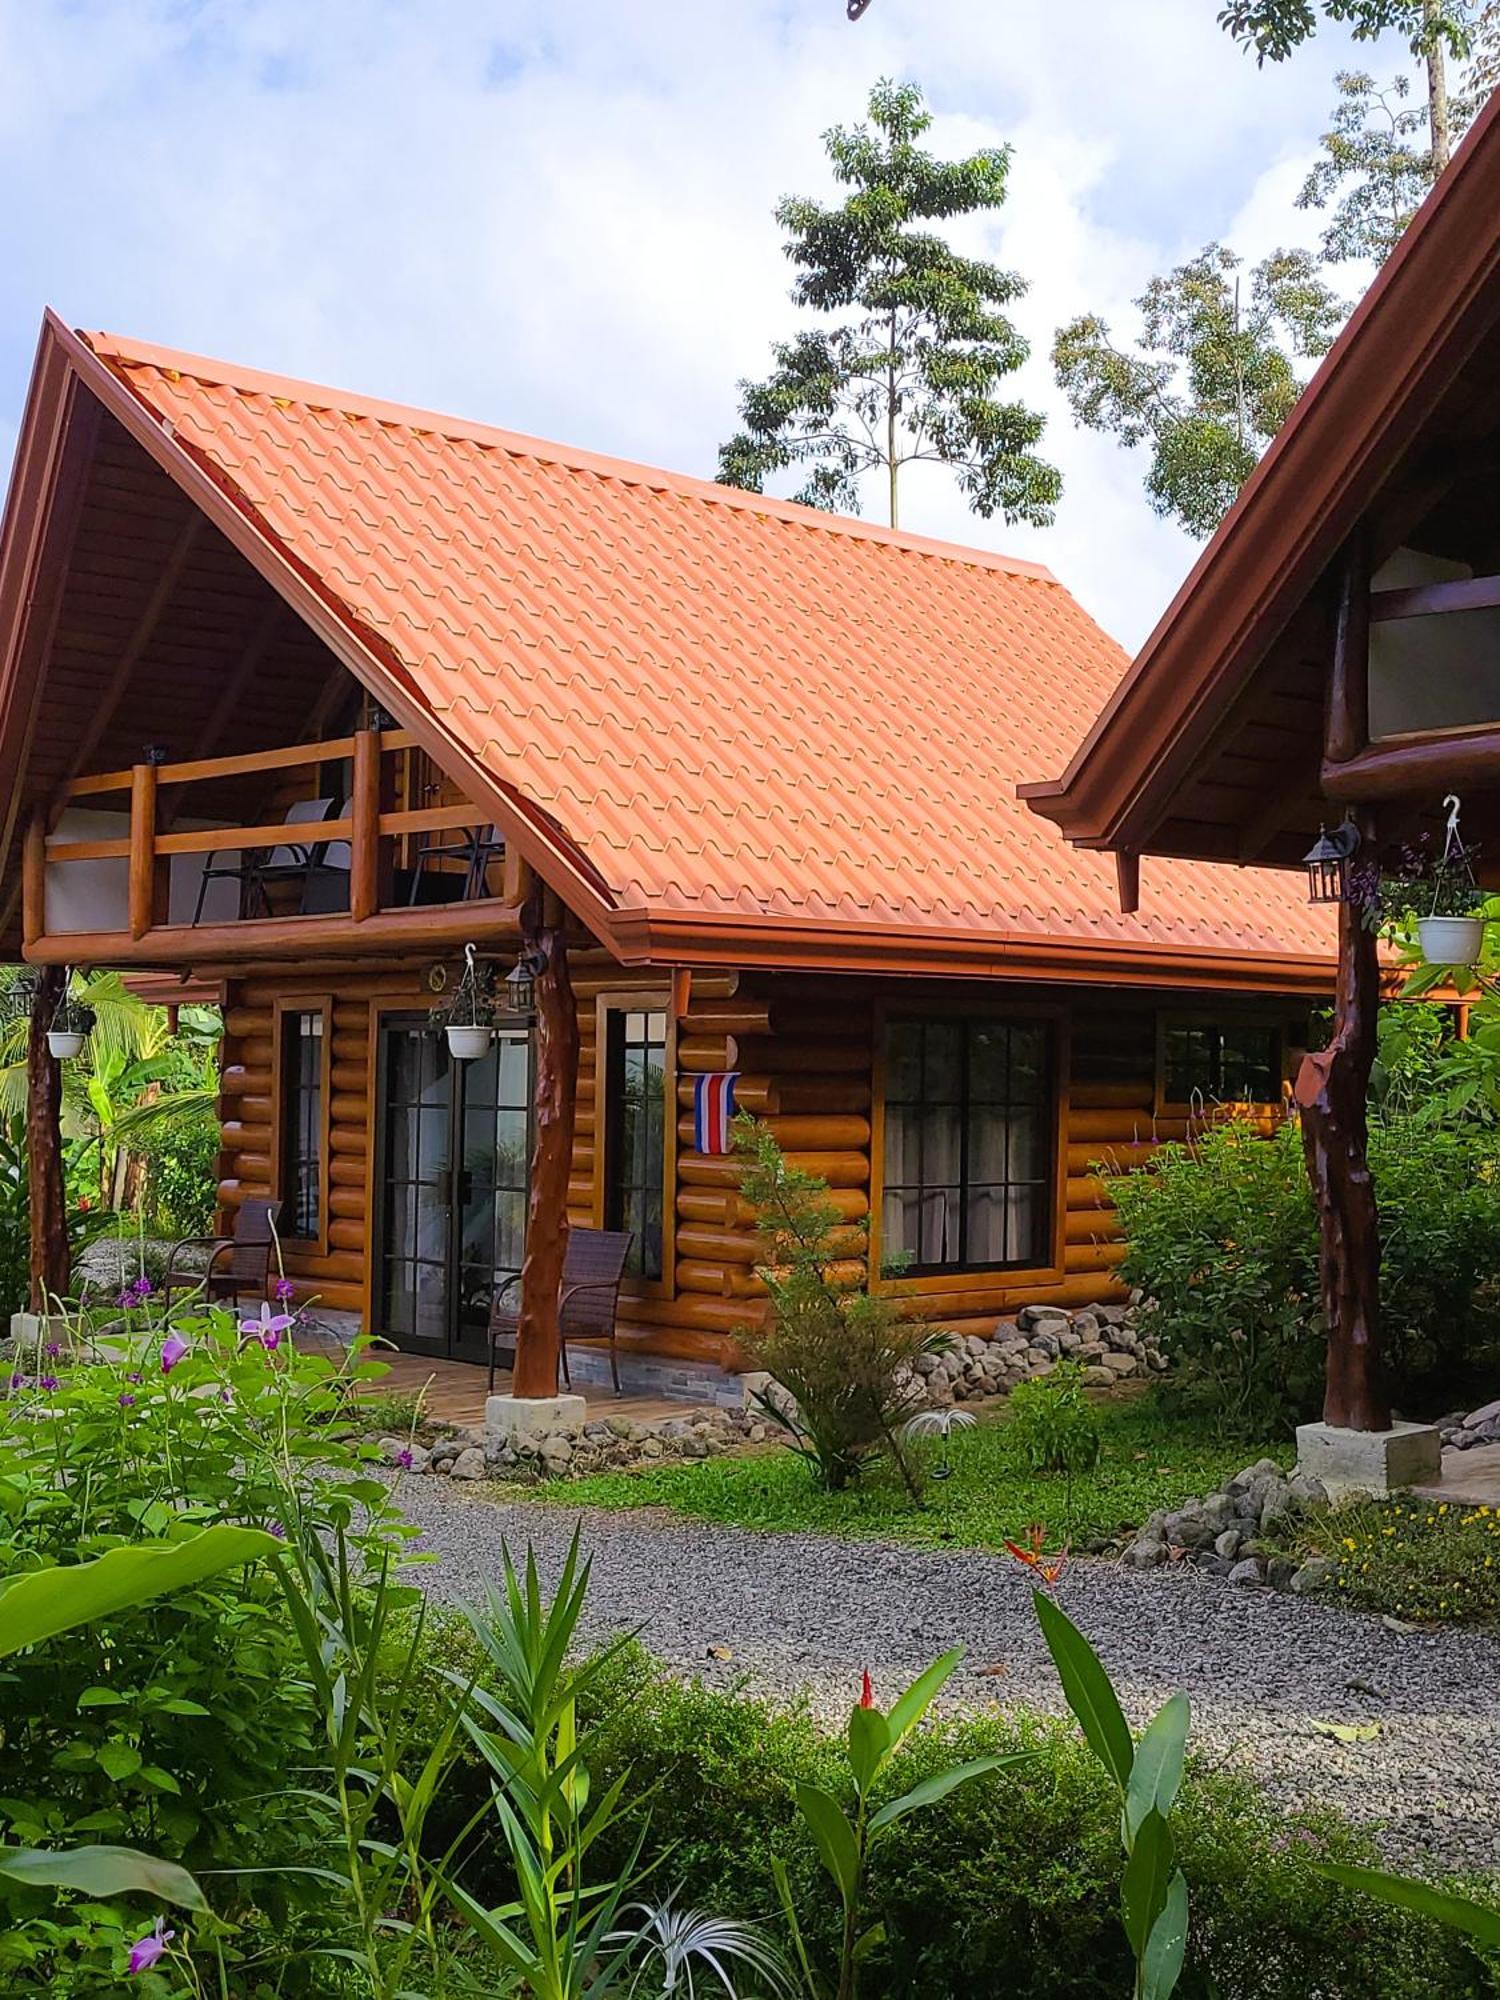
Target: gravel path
point(804, 1613)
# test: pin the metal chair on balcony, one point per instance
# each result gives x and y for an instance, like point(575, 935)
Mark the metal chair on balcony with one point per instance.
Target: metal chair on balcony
point(476, 847)
point(256, 868)
point(587, 1305)
point(237, 1265)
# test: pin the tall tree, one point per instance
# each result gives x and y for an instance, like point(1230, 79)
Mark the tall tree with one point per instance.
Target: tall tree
point(913, 369)
point(1211, 379)
point(1370, 170)
point(1434, 30)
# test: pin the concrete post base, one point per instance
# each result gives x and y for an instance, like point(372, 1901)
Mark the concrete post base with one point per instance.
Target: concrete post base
point(1370, 1463)
point(30, 1333)
point(507, 1418)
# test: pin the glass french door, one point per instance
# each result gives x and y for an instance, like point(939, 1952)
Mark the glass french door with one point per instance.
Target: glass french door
point(454, 1151)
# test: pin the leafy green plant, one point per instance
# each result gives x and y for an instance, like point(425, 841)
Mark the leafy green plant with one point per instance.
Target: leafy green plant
point(845, 1839)
point(843, 1355)
point(1051, 1425)
point(1479, 1921)
point(1428, 1561)
point(1147, 1774)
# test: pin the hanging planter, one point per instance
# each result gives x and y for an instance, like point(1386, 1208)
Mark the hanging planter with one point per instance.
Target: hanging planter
point(1437, 895)
point(1451, 940)
point(72, 1024)
point(467, 1016)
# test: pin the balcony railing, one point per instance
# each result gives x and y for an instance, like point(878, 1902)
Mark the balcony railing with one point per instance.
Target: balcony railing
point(93, 893)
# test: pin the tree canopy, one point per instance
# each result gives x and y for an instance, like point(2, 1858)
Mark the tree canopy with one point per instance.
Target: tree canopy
point(1212, 378)
point(912, 366)
point(1371, 172)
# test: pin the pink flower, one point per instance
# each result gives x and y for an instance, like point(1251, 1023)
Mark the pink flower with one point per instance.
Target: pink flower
point(145, 1952)
point(268, 1328)
point(173, 1348)
point(866, 1692)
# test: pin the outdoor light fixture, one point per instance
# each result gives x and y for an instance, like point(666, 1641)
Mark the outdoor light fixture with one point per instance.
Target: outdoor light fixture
point(1327, 863)
point(520, 982)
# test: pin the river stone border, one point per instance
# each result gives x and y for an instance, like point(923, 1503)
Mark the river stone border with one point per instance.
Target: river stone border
point(1481, 1426)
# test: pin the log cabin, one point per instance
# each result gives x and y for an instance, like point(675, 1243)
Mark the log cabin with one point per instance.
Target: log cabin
point(1333, 661)
point(735, 777)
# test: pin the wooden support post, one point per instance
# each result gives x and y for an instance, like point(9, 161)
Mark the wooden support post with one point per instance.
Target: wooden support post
point(554, 1098)
point(1331, 1091)
point(364, 849)
point(49, 1261)
point(142, 849)
point(34, 878)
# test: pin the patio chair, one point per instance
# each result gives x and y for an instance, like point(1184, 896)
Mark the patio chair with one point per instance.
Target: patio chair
point(236, 1264)
point(476, 847)
point(325, 887)
point(587, 1305)
point(254, 868)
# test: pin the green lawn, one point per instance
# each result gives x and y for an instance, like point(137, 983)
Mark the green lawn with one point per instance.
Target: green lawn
point(1148, 1461)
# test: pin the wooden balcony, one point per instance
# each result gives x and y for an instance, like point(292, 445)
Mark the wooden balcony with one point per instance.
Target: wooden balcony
point(398, 882)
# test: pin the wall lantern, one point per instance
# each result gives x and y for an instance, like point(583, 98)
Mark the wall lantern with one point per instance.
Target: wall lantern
point(1327, 863)
point(520, 982)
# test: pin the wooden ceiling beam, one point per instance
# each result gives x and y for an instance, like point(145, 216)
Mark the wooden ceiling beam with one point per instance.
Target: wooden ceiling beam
point(192, 526)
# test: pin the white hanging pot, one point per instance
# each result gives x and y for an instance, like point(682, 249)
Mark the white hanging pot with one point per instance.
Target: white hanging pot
point(1451, 940)
point(468, 1044)
point(64, 1042)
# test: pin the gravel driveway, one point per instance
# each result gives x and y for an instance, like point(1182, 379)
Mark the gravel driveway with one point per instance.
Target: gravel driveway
point(804, 1613)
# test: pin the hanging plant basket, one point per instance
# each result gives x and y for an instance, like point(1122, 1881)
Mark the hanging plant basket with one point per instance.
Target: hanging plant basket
point(65, 1043)
point(468, 1043)
point(1451, 940)
point(467, 1015)
point(72, 1024)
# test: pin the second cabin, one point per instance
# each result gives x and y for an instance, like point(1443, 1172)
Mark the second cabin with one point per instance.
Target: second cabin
point(303, 694)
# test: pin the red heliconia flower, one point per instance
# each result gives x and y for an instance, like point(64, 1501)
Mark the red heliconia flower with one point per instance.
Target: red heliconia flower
point(866, 1692)
point(1048, 1568)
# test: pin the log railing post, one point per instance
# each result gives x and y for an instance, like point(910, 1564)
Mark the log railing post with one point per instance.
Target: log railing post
point(554, 1098)
point(49, 1260)
point(1331, 1093)
point(364, 848)
point(34, 878)
point(142, 870)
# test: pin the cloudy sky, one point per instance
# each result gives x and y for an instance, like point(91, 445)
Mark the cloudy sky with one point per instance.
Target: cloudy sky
point(555, 215)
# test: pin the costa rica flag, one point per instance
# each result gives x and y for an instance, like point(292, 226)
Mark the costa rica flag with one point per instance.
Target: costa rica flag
point(713, 1107)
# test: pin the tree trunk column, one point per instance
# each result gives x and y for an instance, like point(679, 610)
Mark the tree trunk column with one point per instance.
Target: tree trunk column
point(1331, 1093)
point(555, 1098)
point(50, 1264)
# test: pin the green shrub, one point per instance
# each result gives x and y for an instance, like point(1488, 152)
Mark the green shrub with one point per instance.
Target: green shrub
point(1010, 1884)
point(1051, 1424)
point(1221, 1238)
point(1425, 1560)
point(182, 1173)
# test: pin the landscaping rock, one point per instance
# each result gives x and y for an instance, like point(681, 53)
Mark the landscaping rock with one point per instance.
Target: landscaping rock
point(1314, 1575)
point(469, 1464)
point(1228, 1544)
point(1247, 1572)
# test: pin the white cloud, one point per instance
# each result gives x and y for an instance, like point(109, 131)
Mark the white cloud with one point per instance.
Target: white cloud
point(559, 218)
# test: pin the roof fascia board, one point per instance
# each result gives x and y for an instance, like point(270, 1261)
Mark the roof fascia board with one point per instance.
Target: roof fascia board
point(1404, 344)
point(555, 858)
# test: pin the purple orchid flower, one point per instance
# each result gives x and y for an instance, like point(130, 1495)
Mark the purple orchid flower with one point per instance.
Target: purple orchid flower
point(49, 1383)
point(19, 1381)
point(126, 1400)
point(134, 1375)
point(275, 1528)
point(404, 1458)
point(146, 1951)
point(141, 1288)
point(268, 1328)
point(173, 1348)
point(52, 1349)
point(284, 1291)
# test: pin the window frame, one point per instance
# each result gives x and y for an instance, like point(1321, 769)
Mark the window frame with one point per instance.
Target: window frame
point(1222, 1019)
point(979, 1279)
point(321, 1005)
point(637, 1000)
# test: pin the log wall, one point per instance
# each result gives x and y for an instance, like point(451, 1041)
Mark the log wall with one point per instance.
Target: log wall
point(805, 1050)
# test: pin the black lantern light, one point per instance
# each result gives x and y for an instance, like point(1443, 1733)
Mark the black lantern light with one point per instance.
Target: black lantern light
point(520, 982)
point(1327, 863)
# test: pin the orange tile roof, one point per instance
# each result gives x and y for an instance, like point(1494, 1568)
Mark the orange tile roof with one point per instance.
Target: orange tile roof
point(739, 712)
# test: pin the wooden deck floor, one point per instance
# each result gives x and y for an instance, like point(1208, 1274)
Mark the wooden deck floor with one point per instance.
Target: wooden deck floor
point(453, 1392)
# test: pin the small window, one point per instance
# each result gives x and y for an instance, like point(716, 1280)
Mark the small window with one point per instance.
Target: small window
point(302, 1124)
point(1222, 1064)
point(969, 1118)
point(636, 1132)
